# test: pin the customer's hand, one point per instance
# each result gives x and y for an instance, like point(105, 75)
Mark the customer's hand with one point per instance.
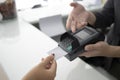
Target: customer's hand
point(46, 70)
point(99, 49)
point(79, 17)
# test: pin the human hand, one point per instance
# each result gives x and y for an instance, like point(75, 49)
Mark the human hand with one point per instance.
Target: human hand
point(79, 17)
point(98, 49)
point(46, 70)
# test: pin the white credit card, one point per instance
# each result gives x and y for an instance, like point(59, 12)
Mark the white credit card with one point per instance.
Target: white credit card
point(58, 52)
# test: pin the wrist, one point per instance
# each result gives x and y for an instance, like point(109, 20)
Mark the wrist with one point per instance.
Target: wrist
point(114, 51)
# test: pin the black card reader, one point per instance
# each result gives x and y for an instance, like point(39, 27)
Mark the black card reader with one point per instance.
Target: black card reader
point(74, 43)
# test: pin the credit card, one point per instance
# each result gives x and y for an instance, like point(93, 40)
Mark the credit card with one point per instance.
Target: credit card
point(59, 52)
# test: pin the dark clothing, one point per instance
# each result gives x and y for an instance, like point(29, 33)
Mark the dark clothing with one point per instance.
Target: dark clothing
point(110, 14)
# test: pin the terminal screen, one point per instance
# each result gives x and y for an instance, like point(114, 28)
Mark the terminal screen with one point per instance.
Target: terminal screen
point(82, 34)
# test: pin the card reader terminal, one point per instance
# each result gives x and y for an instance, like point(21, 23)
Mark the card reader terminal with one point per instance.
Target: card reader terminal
point(74, 43)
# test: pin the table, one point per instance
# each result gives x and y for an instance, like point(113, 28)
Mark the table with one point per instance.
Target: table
point(22, 46)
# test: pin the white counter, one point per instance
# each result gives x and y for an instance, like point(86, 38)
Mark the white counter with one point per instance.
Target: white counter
point(22, 46)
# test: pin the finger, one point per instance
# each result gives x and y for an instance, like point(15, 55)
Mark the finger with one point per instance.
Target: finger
point(91, 47)
point(53, 67)
point(74, 4)
point(84, 54)
point(73, 26)
point(47, 60)
point(90, 54)
point(68, 22)
point(81, 25)
point(84, 23)
point(96, 46)
point(49, 65)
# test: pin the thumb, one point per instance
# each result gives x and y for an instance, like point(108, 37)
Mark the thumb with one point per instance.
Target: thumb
point(53, 67)
point(47, 60)
point(74, 4)
point(89, 54)
point(93, 47)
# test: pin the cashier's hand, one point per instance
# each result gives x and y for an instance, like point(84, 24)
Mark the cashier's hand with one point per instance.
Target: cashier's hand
point(46, 70)
point(98, 49)
point(79, 17)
